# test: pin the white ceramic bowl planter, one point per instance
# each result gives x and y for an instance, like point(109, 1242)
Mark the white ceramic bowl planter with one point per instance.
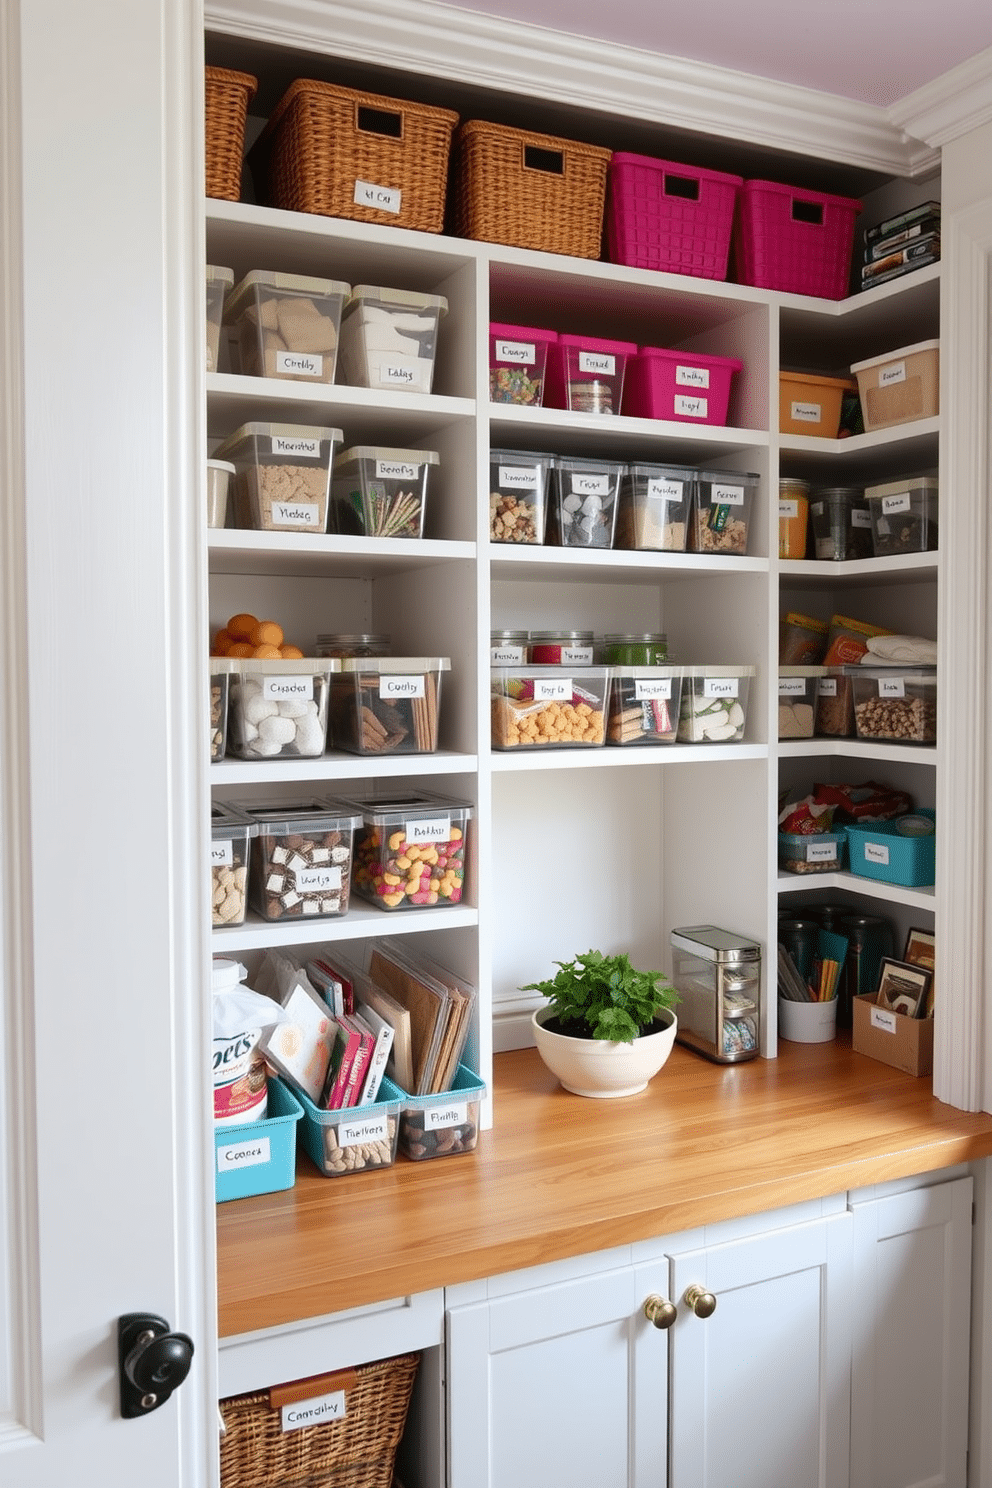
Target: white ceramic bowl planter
point(596, 1067)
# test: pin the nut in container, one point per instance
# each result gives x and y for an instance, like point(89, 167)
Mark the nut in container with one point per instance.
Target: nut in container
point(895, 703)
point(549, 707)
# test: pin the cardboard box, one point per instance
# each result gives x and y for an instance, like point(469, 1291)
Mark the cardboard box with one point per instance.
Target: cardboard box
point(892, 1038)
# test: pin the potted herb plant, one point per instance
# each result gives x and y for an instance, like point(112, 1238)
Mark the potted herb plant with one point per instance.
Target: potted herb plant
point(607, 1027)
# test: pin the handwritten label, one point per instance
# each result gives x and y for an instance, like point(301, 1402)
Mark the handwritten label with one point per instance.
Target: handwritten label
point(692, 376)
point(821, 852)
point(726, 495)
point(405, 687)
point(892, 687)
point(395, 470)
point(295, 514)
point(322, 1408)
point(860, 518)
point(646, 692)
point(597, 363)
point(523, 353)
point(828, 687)
point(428, 829)
point(552, 689)
point(519, 477)
point(876, 852)
point(222, 854)
point(382, 198)
point(506, 655)
point(251, 1154)
point(299, 364)
point(883, 1019)
point(590, 485)
point(894, 372)
point(665, 490)
point(439, 1118)
point(318, 880)
point(405, 376)
point(292, 689)
point(371, 1129)
point(792, 686)
point(899, 503)
point(301, 449)
point(688, 407)
point(788, 510)
point(720, 687)
point(807, 413)
point(576, 656)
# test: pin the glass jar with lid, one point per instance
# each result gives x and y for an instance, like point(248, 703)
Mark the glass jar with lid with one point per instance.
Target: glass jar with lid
point(508, 647)
point(561, 647)
point(343, 645)
point(644, 648)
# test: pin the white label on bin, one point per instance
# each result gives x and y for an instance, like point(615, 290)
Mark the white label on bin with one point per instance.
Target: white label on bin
point(894, 372)
point(318, 880)
point(597, 362)
point(828, 687)
point(523, 353)
point(646, 692)
point(295, 514)
point(718, 687)
point(665, 490)
point(519, 477)
point(896, 503)
point(439, 1118)
point(691, 407)
point(692, 376)
point(788, 510)
point(252, 1153)
point(506, 655)
point(305, 449)
point(300, 363)
point(892, 687)
point(315, 1412)
point(552, 689)
point(383, 198)
point(402, 687)
point(792, 686)
point(821, 852)
point(807, 413)
point(591, 485)
point(860, 518)
point(396, 470)
point(877, 852)
point(405, 376)
point(883, 1019)
point(726, 495)
point(430, 829)
point(288, 689)
point(371, 1129)
point(222, 854)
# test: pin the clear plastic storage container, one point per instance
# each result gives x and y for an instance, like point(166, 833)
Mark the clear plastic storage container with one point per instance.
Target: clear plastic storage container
point(793, 517)
point(586, 373)
point(819, 852)
point(644, 705)
point(410, 851)
point(653, 514)
point(301, 858)
point(389, 338)
point(721, 511)
point(797, 694)
point(841, 523)
point(549, 707)
point(283, 475)
point(518, 357)
point(221, 668)
point(380, 492)
point(583, 511)
point(278, 709)
point(895, 703)
point(231, 832)
point(713, 705)
point(387, 704)
point(835, 705)
point(219, 281)
point(287, 325)
point(442, 1125)
point(518, 487)
point(903, 516)
point(219, 473)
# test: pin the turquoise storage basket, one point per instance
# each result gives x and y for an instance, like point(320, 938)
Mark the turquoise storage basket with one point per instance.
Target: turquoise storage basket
point(878, 850)
point(335, 1139)
point(452, 1116)
point(259, 1156)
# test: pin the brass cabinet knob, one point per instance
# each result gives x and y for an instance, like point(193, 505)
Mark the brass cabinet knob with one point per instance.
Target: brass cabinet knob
point(702, 1302)
point(660, 1311)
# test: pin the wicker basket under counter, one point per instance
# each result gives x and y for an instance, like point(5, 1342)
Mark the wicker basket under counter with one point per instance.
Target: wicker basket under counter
point(357, 1450)
point(227, 95)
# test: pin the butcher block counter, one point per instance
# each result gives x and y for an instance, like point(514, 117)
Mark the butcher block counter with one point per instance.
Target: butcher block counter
point(560, 1175)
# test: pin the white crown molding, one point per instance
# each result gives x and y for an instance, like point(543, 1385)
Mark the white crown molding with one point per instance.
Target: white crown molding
point(953, 104)
point(444, 41)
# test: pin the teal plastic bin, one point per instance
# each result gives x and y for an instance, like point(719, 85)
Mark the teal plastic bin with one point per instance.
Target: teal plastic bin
point(259, 1156)
point(358, 1139)
point(441, 1125)
point(879, 850)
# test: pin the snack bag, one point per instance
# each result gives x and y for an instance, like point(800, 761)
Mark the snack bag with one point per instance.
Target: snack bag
point(847, 640)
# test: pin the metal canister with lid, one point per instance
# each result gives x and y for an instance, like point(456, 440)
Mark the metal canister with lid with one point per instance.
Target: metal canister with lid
point(646, 648)
point(508, 647)
point(717, 974)
point(869, 938)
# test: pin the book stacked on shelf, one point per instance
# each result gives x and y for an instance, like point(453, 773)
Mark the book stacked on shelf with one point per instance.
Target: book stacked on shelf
point(901, 244)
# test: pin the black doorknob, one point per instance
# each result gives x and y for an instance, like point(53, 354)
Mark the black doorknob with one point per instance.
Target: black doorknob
point(153, 1361)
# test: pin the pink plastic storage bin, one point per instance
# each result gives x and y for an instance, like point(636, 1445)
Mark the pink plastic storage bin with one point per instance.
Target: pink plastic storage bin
point(517, 359)
point(680, 385)
point(585, 374)
point(796, 241)
point(670, 217)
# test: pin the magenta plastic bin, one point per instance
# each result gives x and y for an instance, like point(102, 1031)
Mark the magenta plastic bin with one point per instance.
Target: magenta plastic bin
point(585, 374)
point(670, 217)
point(799, 242)
point(518, 356)
point(680, 385)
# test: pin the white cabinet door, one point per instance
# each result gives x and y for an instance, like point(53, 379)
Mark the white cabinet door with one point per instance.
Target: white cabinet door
point(760, 1388)
point(912, 1276)
point(561, 1384)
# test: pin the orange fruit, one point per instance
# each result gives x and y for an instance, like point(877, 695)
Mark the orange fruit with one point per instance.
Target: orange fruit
point(222, 641)
point(241, 626)
point(266, 653)
point(290, 653)
point(241, 648)
point(267, 633)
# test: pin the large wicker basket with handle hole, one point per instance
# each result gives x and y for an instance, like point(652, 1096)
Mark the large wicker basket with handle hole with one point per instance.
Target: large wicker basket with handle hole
point(227, 96)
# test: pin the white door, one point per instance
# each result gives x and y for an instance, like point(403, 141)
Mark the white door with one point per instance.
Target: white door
point(760, 1387)
point(105, 1197)
point(563, 1383)
point(912, 1276)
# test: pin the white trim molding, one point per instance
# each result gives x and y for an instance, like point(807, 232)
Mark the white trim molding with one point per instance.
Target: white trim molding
point(952, 105)
point(446, 42)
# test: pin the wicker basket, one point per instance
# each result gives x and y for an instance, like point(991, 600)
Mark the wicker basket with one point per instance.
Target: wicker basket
point(530, 190)
point(356, 1451)
point(333, 151)
point(227, 96)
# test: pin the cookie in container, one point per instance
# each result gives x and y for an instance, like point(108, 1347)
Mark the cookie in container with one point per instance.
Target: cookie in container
point(644, 705)
point(282, 475)
point(287, 325)
point(410, 851)
point(387, 704)
point(301, 858)
point(549, 707)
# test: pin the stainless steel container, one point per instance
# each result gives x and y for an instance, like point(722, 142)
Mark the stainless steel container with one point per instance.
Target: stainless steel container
point(718, 978)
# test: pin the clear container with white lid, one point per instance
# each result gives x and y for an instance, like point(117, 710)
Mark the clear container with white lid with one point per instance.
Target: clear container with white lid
point(583, 513)
point(380, 492)
point(389, 338)
point(283, 475)
point(219, 281)
point(903, 515)
point(288, 325)
point(387, 704)
point(713, 706)
point(896, 703)
point(653, 514)
point(518, 495)
point(797, 698)
point(278, 708)
point(644, 705)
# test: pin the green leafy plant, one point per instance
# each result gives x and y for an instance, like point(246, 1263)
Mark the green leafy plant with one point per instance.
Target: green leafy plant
point(604, 997)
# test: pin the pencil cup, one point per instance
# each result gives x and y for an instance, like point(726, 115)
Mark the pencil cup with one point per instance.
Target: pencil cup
point(807, 1022)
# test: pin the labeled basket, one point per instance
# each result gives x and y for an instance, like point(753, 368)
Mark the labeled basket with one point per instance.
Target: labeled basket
point(359, 1417)
point(227, 96)
point(674, 218)
point(529, 190)
point(799, 242)
point(339, 152)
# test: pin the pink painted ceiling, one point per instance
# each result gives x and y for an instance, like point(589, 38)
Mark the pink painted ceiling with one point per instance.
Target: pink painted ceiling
point(875, 51)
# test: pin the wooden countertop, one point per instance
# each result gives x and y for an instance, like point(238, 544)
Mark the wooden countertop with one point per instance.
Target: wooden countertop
point(561, 1175)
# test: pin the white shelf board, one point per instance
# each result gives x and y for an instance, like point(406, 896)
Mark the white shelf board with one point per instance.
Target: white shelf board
point(228, 772)
point(913, 754)
point(521, 561)
point(233, 399)
point(360, 921)
point(237, 551)
point(904, 449)
point(629, 438)
point(908, 568)
point(593, 758)
point(864, 325)
point(797, 883)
